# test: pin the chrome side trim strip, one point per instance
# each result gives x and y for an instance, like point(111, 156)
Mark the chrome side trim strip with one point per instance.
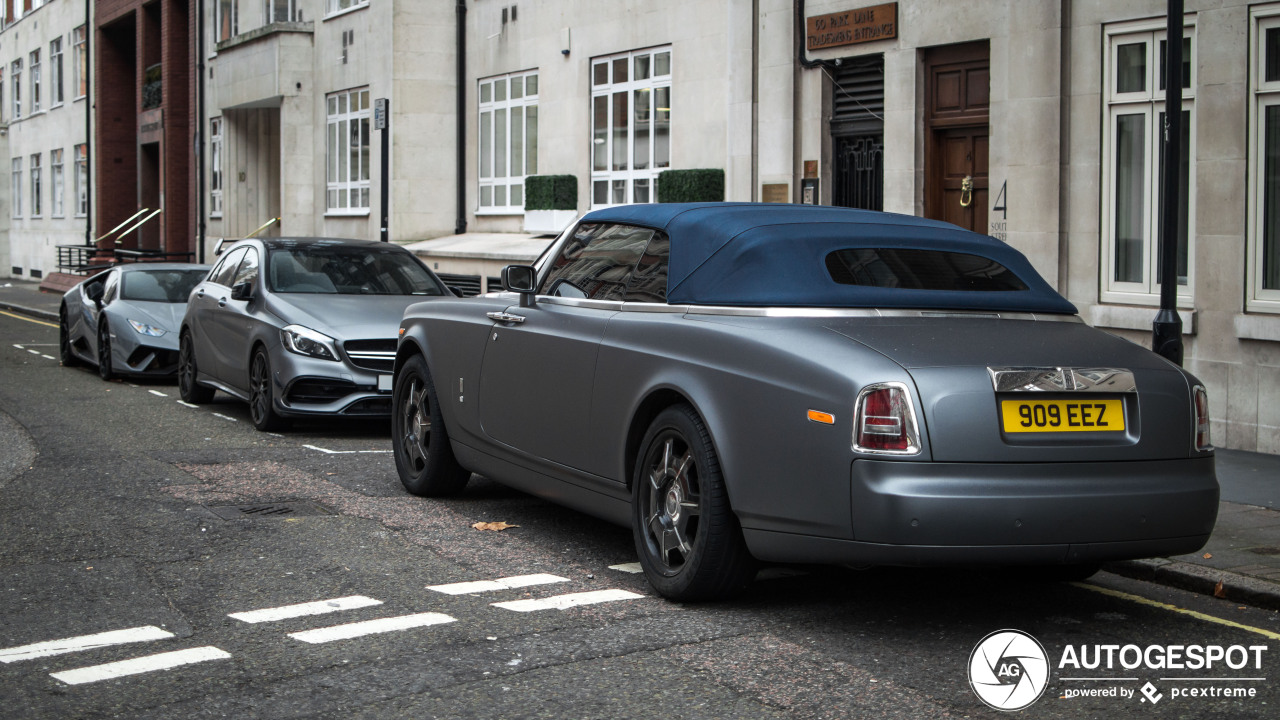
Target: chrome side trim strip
point(1062, 379)
point(808, 312)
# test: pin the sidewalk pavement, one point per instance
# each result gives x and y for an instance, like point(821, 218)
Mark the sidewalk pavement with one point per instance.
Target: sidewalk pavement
point(1241, 562)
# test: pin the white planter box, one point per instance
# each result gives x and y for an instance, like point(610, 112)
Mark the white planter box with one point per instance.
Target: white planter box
point(549, 222)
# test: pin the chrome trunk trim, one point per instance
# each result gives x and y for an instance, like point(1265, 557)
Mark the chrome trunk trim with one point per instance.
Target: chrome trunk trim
point(1062, 379)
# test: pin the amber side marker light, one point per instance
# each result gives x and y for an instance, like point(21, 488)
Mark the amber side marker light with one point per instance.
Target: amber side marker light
point(820, 417)
point(402, 331)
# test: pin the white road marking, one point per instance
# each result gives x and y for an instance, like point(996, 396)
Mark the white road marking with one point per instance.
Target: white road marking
point(157, 393)
point(318, 607)
point(327, 451)
point(33, 352)
point(187, 404)
point(564, 602)
point(371, 627)
point(47, 357)
point(224, 417)
point(137, 666)
point(83, 642)
point(19, 347)
point(506, 583)
point(633, 568)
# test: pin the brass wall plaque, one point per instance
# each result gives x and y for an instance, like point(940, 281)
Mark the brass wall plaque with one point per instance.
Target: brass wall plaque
point(775, 193)
point(868, 24)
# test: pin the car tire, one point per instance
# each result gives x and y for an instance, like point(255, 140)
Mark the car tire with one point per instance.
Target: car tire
point(688, 539)
point(190, 390)
point(262, 396)
point(105, 370)
point(420, 442)
point(65, 353)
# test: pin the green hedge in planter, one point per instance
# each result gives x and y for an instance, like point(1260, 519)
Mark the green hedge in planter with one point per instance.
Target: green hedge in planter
point(676, 186)
point(551, 192)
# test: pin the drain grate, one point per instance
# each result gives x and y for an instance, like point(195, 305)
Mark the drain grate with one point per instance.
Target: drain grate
point(267, 510)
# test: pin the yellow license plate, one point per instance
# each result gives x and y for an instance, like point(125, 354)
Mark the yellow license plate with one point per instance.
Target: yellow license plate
point(1051, 416)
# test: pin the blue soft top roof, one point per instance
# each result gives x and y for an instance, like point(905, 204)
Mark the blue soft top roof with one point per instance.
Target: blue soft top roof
point(762, 255)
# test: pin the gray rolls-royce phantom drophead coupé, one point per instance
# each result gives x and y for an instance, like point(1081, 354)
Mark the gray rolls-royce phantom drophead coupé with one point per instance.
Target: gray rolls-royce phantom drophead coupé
point(786, 383)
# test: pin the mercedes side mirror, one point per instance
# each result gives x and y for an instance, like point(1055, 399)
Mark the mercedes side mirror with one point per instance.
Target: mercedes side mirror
point(242, 291)
point(522, 279)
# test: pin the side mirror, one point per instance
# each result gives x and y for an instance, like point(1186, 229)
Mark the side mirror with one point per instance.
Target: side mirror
point(521, 279)
point(242, 291)
point(457, 291)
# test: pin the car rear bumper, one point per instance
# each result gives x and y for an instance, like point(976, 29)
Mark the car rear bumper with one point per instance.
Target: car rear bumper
point(910, 513)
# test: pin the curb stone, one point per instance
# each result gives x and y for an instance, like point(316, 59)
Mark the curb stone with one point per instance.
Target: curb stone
point(41, 314)
point(1196, 578)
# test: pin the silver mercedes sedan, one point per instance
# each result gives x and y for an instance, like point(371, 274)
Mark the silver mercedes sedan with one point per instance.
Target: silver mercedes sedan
point(300, 326)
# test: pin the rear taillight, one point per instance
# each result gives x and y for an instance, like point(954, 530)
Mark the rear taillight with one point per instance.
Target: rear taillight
point(885, 421)
point(1204, 443)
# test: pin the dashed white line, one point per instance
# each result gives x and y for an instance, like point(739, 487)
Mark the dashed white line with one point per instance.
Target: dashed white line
point(327, 451)
point(631, 567)
point(157, 393)
point(564, 602)
point(19, 347)
point(318, 607)
point(187, 404)
point(506, 583)
point(47, 357)
point(33, 352)
point(137, 666)
point(83, 642)
point(371, 627)
point(225, 417)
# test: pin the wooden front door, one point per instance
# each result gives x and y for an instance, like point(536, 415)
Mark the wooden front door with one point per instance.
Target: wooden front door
point(956, 134)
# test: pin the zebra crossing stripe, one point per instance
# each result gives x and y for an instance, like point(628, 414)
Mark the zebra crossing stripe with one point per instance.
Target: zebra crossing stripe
point(319, 607)
point(507, 583)
point(564, 602)
point(371, 627)
point(83, 642)
point(137, 666)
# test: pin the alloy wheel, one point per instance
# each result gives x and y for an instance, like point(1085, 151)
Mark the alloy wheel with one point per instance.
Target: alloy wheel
point(671, 506)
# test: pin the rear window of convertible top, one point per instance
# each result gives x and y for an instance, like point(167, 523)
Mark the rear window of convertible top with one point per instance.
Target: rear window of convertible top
point(911, 269)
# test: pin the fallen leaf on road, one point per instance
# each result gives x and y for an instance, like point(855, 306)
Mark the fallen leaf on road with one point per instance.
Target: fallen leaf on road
point(494, 526)
point(1218, 592)
point(1206, 556)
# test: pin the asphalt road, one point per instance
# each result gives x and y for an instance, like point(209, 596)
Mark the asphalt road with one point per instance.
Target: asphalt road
point(113, 505)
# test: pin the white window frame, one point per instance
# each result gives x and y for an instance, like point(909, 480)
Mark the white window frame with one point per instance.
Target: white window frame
point(338, 7)
point(226, 20)
point(15, 79)
point(1150, 104)
point(1263, 95)
point(342, 122)
point(82, 179)
point(57, 184)
point(55, 72)
point(36, 196)
point(269, 8)
point(215, 167)
point(500, 175)
point(16, 183)
point(611, 179)
point(34, 74)
point(80, 67)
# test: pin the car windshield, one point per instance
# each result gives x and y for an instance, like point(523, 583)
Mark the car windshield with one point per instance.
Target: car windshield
point(339, 270)
point(167, 286)
point(920, 270)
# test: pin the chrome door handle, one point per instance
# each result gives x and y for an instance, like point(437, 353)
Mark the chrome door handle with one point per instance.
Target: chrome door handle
point(505, 317)
point(222, 302)
point(200, 293)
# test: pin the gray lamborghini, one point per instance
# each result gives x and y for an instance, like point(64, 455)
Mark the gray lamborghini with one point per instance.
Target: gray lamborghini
point(786, 383)
point(125, 320)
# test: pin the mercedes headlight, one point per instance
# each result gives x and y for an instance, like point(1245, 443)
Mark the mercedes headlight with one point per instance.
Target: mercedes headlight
point(305, 341)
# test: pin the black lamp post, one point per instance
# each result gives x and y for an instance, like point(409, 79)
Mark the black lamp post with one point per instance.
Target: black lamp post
point(1166, 330)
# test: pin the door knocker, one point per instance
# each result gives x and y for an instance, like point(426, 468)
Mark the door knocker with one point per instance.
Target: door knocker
point(966, 191)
